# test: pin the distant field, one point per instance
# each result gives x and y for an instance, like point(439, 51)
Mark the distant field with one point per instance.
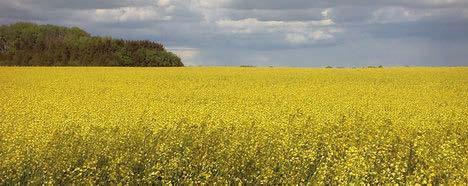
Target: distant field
point(232, 125)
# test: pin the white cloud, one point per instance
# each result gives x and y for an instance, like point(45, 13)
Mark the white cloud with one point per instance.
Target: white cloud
point(214, 29)
point(253, 25)
point(440, 2)
point(128, 14)
point(320, 35)
point(326, 13)
point(164, 3)
point(295, 38)
point(306, 4)
point(310, 38)
point(211, 3)
point(294, 32)
point(187, 54)
point(398, 14)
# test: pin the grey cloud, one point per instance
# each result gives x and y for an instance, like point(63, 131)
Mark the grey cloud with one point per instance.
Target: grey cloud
point(83, 4)
point(272, 32)
point(453, 30)
point(269, 15)
point(301, 4)
point(365, 52)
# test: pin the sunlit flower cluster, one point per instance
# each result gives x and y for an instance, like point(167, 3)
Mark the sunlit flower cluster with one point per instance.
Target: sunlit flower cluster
point(233, 125)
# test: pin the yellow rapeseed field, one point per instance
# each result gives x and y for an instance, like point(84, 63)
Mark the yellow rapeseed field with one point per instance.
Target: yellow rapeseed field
point(220, 125)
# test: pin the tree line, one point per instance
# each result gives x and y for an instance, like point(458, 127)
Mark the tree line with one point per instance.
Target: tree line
point(29, 44)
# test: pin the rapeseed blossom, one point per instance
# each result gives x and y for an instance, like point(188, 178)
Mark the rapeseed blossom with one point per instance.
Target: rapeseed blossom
point(221, 125)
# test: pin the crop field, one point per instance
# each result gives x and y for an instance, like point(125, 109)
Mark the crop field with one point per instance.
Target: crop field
point(219, 125)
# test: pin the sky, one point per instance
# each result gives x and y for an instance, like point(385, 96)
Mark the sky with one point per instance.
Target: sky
point(310, 33)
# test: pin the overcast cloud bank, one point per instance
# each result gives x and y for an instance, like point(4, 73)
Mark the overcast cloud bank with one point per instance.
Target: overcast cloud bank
point(272, 32)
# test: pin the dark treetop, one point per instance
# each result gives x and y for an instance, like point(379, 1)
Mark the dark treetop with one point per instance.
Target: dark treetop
point(29, 44)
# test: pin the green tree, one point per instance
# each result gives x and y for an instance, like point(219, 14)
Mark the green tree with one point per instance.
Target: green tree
point(27, 44)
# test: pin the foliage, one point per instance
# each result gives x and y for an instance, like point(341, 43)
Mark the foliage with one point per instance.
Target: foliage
point(273, 126)
point(28, 44)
